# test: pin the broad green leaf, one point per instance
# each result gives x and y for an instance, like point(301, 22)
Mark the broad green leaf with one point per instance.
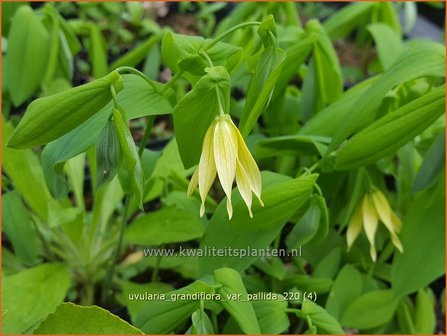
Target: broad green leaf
point(325, 322)
point(328, 120)
point(19, 228)
point(346, 288)
point(329, 266)
point(295, 56)
point(24, 169)
point(261, 86)
point(370, 310)
point(272, 316)
point(272, 266)
point(306, 283)
point(53, 49)
point(197, 109)
point(344, 21)
point(388, 43)
point(134, 294)
point(282, 197)
point(305, 229)
point(425, 315)
point(424, 60)
point(168, 225)
point(49, 118)
point(423, 239)
point(73, 319)
point(97, 52)
point(240, 309)
point(27, 54)
point(131, 159)
point(8, 11)
point(138, 54)
point(176, 48)
point(387, 134)
point(137, 98)
point(323, 83)
point(434, 162)
point(164, 316)
point(29, 296)
point(295, 145)
point(201, 323)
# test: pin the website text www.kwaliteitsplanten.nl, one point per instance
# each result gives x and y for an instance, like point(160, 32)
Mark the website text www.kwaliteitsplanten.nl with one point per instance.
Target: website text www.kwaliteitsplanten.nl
point(226, 251)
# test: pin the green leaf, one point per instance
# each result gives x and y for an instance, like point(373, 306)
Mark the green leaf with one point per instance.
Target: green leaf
point(388, 43)
point(346, 288)
point(240, 309)
point(325, 323)
point(305, 229)
point(431, 168)
point(176, 47)
point(97, 52)
point(329, 265)
point(24, 169)
point(197, 109)
point(306, 283)
point(324, 82)
point(27, 54)
point(371, 310)
point(49, 118)
point(29, 296)
point(133, 295)
point(282, 197)
point(8, 11)
point(287, 145)
point(424, 60)
point(108, 154)
point(261, 86)
point(168, 225)
point(425, 315)
point(201, 323)
point(423, 239)
point(19, 228)
point(73, 319)
point(164, 316)
point(344, 21)
point(389, 133)
point(131, 158)
point(272, 316)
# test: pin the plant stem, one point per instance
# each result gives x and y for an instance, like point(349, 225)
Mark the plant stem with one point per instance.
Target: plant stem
point(147, 133)
point(156, 268)
point(138, 73)
point(231, 30)
point(171, 82)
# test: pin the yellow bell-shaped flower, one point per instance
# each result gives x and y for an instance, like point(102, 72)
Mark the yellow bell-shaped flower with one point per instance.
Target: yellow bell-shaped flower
point(374, 207)
point(225, 154)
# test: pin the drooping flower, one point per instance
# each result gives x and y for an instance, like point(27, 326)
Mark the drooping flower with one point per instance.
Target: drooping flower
point(225, 154)
point(374, 207)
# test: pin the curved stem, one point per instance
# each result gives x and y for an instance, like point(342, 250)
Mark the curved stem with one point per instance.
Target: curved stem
point(207, 57)
point(230, 31)
point(138, 73)
point(114, 97)
point(171, 82)
point(147, 133)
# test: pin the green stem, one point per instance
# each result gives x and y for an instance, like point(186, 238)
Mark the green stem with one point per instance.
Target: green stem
point(114, 96)
point(156, 268)
point(230, 31)
point(111, 269)
point(219, 103)
point(138, 73)
point(171, 82)
point(206, 57)
point(147, 133)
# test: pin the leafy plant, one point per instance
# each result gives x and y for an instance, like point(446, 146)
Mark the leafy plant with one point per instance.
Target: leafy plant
point(110, 121)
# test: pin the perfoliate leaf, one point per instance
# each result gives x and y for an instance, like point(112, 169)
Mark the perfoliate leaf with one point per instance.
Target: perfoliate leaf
point(48, 118)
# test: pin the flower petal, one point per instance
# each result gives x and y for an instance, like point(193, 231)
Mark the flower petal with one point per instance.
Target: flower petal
point(225, 151)
point(370, 221)
point(243, 186)
point(354, 226)
point(207, 168)
point(249, 164)
point(193, 182)
point(383, 209)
